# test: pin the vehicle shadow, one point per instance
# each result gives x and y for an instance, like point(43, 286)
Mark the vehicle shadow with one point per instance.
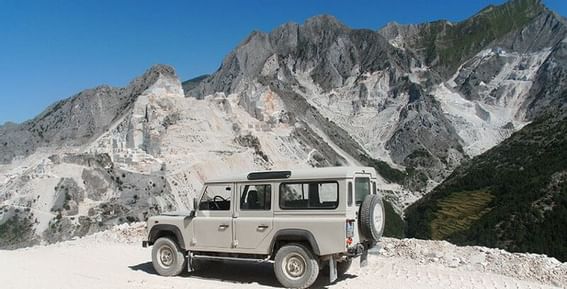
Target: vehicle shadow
point(239, 272)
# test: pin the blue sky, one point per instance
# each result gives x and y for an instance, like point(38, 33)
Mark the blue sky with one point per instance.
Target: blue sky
point(50, 50)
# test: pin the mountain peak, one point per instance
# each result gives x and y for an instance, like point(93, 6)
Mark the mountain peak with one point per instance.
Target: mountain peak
point(162, 69)
point(515, 8)
point(150, 77)
point(324, 21)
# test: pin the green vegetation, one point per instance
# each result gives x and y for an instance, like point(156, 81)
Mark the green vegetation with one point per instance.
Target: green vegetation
point(445, 44)
point(388, 173)
point(458, 211)
point(395, 226)
point(514, 196)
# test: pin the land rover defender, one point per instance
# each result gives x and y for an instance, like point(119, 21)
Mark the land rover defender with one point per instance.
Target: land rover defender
point(299, 220)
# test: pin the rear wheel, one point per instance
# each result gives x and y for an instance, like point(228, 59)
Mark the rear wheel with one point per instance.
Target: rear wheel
point(295, 266)
point(168, 259)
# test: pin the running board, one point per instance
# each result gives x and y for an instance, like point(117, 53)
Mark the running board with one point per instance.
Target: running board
point(222, 258)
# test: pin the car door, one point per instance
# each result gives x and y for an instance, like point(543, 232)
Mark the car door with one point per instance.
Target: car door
point(362, 187)
point(213, 227)
point(254, 215)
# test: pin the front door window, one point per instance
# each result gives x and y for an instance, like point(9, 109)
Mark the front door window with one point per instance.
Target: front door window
point(216, 198)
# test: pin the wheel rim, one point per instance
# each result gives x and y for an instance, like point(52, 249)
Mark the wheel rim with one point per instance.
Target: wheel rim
point(165, 256)
point(294, 266)
point(378, 217)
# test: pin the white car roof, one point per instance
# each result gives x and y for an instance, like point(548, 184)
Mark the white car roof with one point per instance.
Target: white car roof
point(301, 174)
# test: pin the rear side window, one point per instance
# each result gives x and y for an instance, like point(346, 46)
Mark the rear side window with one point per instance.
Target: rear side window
point(350, 194)
point(374, 188)
point(256, 197)
point(361, 189)
point(309, 195)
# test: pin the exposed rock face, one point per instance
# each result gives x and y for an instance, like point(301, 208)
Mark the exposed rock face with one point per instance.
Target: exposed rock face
point(75, 121)
point(414, 101)
point(424, 138)
point(444, 46)
point(350, 85)
point(152, 157)
point(419, 97)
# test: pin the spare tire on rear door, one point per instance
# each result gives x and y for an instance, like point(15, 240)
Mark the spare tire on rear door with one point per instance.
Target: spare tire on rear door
point(372, 217)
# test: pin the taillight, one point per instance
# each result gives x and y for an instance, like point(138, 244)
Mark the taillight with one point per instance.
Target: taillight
point(349, 228)
point(349, 232)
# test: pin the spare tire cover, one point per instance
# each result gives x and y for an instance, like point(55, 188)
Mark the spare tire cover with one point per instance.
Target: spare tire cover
point(372, 217)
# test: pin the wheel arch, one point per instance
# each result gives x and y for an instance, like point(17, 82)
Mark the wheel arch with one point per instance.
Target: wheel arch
point(165, 230)
point(294, 235)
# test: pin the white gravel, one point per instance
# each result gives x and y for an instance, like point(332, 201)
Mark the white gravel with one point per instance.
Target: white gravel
point(115, 259)
point(533, 267)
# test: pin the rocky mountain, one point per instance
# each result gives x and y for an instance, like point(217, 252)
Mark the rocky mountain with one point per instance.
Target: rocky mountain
point(418, 99)
point(151, 155)
point(352, 86)
point(413, 101)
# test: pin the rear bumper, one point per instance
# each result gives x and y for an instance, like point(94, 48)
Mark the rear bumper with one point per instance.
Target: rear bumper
point(356, 250)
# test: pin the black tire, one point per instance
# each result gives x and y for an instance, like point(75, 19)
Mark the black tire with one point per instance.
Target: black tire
point(343, 266)
point(372, 218)
point(168, 259)
point(295, 266)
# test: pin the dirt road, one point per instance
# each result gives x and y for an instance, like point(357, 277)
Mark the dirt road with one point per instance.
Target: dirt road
point(90, 263)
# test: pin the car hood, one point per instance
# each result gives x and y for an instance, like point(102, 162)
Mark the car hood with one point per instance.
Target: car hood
point(184, 213)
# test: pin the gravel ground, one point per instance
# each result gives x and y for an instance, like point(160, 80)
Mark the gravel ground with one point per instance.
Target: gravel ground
point(478, 259)
point(115, 259)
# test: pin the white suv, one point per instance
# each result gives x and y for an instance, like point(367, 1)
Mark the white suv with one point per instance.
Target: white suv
point(300, 220)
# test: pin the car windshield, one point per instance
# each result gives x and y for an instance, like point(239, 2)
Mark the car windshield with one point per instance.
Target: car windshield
point(361, 189)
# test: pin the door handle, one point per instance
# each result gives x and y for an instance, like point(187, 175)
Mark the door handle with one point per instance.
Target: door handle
point(223, 226)
point(263, 227)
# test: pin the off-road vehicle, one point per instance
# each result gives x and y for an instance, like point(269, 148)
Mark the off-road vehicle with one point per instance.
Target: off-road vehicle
point(300, 220)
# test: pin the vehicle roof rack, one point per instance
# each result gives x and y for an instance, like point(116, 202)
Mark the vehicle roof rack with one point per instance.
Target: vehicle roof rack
point(269, 175)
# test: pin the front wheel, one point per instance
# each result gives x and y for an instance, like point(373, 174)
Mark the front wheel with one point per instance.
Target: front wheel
point(295, 266)
point(167, 257)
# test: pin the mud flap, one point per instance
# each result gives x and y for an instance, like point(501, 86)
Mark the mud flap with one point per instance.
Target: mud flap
point(364, 258)
point(332, 270)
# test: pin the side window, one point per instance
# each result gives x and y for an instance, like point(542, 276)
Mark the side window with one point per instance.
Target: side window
point(216, 198)
point(361, 189)
point(256, 197)
point(312, 195)
point(350, 195)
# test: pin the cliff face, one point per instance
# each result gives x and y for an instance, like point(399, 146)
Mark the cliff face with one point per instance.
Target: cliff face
point(420, 98)
point(148, 154)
